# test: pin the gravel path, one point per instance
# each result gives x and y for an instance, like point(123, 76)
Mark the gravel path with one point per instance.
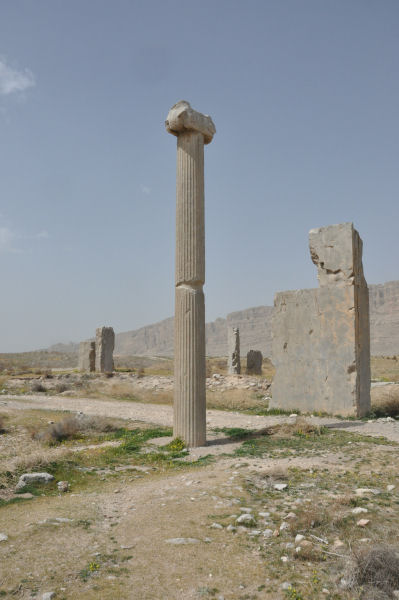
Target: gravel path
point(163, 415)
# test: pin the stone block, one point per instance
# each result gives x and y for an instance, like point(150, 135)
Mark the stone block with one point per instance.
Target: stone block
point(254, 362)
point(87, 356)
point(321, 337)
point(105, 342)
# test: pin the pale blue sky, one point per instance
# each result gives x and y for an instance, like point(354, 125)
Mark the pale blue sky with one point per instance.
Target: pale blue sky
point(304, 95)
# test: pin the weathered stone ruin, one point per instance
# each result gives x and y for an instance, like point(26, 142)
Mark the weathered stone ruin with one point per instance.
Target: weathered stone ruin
point(105, 342)
point(254, 362)
point(233, 358)
point(321, 337)
point(193, 130)
point(87, 356)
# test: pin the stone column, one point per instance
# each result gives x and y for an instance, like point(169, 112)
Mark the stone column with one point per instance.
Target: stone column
point(105, 342)
point(254, 362)
point(233, 360)
point(193, 130)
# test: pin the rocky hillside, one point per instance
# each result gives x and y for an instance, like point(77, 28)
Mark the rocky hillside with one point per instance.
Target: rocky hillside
point(255, 330)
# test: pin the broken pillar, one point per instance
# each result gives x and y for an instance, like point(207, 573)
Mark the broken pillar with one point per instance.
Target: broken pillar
point(193, 130)
point(233, 358)
point(87, 356)
point(254, 362)
point(321, 337)
point(105, 342)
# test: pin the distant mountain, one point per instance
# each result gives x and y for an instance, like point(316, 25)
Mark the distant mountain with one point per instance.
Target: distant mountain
point(255, 330)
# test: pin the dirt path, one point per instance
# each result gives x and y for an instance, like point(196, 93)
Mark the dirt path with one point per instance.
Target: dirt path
point(161, 414)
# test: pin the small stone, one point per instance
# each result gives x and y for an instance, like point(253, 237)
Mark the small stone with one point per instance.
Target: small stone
point(231, 528)
point(181, 541)
point(285, 585)
point(254, 532)
point(367, 491)
point(284, 526)
point(267, 533)
point(358, 510)
point(207, 540)
point(245, 518)
point(264, 515)
point(3, 537)
point(284, 559)
point(293, 415)
point(338, 544)
point(363, 522)
point(276, 533)
point(395, 593)
point(245, 509)
point(325, 591)
point(63, 486)
point(216, 526)
point(298, 549)
point(299, 537)
point(291, 515)
point(389, 489)
point(280, 486)
point(48, 595)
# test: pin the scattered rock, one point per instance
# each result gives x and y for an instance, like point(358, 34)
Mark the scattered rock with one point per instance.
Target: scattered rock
point(179, 541)
point(3, 537)
point(264, 515)
point(338, 544)
point(389, 489)
point(358, 510)
point(367, 491)
point(291, 515)
point(285, 585)
point(231, 528)
point(363, 522)
point(245, 518)
point(245, 509)
point(284, 559)
point(216, 526)
point(280, 486)
point(63, 486)
point(48, 595)
point(299, 537)
point(267, 533)
point(28, 478)
point(284, 526)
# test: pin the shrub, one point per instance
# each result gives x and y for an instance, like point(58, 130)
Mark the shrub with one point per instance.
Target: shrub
point(38, 387)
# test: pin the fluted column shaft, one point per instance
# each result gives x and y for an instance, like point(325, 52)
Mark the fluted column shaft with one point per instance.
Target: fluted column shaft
point(190, 401)
point(193, 130)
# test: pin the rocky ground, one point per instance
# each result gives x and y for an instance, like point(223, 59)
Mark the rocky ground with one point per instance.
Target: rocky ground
point(273, 507)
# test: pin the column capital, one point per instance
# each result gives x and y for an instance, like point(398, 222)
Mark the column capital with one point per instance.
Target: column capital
point(182, 118)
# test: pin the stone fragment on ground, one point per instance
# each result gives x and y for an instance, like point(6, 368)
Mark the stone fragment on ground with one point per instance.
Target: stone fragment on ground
point(28, 478)
point(182, 541)
point(3, 537)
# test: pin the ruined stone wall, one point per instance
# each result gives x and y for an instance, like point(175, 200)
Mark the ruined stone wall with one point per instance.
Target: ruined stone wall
point(87, 356)
point(321, 337)
point(105, 342)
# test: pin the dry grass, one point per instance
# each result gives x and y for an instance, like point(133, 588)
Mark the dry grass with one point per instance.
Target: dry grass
point(71, 427)
point(233, 399)
point(377, 569)
point(385, 400)
point(2, 424)
point(300, 427)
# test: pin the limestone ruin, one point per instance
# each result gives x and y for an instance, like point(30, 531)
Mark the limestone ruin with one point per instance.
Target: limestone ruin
point(105, 342)
point(193, 130)
point(87, 356)
point(233, 359)
point(254, 362)
point(321, 337)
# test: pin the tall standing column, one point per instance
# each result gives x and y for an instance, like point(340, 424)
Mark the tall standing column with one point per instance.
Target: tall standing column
point(193, 130)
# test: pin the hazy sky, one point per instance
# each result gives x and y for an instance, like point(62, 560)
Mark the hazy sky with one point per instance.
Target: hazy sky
point(305, 98)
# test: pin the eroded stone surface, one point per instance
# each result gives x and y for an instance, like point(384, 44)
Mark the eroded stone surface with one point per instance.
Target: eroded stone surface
point(87, 356)
point(321, 337)
point(233, 357)
point(105, 342)
point(254, 362)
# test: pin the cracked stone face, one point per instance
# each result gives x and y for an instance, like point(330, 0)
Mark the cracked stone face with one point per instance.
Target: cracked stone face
point(321, 337)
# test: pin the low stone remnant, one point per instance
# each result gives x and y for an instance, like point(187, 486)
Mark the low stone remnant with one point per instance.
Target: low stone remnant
point(254, 362)
point(321, 337)
point(234, 363)
point(28, 478)
point(87, 356)
point(105, 343)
